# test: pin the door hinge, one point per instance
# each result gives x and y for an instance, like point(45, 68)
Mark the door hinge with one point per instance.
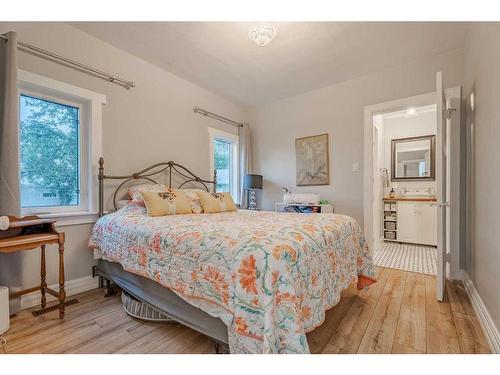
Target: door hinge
point(448, 112)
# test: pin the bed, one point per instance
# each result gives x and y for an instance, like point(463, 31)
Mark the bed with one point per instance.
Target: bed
point(255, 280)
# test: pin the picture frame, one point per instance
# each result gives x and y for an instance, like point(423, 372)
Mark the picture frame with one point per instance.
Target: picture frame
point(312, 162)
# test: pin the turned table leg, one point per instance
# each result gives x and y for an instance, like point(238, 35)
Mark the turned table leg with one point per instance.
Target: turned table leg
point(43, 274)
point(62, 293)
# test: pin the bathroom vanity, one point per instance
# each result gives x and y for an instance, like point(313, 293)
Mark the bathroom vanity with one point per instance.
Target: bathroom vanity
point(410, 220)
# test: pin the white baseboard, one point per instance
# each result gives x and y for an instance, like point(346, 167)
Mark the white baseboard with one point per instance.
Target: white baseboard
point(489, 328)
point(72, 287)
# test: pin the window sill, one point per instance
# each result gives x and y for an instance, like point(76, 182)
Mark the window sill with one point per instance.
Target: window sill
point(72, 218)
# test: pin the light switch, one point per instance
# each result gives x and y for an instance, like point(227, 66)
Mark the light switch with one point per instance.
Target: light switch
point(355, 167)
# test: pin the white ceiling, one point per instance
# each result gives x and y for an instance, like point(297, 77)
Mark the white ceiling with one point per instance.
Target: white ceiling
point(303, 56)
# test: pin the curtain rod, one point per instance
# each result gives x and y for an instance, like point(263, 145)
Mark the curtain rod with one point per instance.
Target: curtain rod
point(109, 77)
point(217, 117)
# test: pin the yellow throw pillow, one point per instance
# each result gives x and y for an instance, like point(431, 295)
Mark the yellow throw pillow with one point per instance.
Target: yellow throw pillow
point(170, 202)
point(217, 202)
point(192, 196)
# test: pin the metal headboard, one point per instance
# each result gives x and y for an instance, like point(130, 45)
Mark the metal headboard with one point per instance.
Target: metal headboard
point(146, 174)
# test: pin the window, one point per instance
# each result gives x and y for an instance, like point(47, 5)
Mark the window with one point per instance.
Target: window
point(60, 127)
point(224, 159)
point(50, 163)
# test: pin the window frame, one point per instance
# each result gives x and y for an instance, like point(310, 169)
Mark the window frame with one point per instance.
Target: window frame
point(233, 140)
point(90, 147)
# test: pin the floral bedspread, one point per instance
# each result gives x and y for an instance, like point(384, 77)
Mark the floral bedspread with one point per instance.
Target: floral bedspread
point(268, 276)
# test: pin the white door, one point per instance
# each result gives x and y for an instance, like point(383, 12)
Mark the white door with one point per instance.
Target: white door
point(441, 187)
point(406, 230)
point(427, 223)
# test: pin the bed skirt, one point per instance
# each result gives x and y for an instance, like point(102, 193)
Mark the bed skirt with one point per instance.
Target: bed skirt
point(164, 300)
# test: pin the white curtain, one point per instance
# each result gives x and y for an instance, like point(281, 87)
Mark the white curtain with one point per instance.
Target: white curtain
point(245, 137)
point(10, 264)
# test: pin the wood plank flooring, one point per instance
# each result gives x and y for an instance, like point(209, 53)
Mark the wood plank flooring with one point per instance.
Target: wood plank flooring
point(399, 314)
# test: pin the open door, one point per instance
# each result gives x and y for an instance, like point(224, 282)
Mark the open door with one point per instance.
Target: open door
point(441, 179)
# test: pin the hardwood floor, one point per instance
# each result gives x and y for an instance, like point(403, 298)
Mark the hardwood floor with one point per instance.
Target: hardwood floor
point(399, 314)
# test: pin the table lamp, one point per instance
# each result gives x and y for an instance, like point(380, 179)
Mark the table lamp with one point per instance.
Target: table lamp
point(252, 182)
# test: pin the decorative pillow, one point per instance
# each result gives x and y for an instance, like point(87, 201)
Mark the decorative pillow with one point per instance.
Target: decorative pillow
point(192, 195)
point(217, 202)
point(169, 202)
point(135, 191)
point(122, 203)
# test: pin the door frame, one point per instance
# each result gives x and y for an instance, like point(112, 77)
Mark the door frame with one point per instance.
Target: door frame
point(368, 177)
point(456, 175)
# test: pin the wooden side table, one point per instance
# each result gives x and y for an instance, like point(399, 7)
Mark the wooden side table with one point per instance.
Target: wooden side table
point(30, 233)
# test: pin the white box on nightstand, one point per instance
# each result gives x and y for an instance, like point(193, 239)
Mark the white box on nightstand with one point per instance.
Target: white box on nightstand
point(4, 309)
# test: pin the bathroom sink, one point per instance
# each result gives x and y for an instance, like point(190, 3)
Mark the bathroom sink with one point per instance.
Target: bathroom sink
point(417, 196)
point(416, 193)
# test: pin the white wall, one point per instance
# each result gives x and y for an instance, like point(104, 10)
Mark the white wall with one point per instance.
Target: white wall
point(150, 123)
point(482, 76)
point(338, 111)
point(401, 127)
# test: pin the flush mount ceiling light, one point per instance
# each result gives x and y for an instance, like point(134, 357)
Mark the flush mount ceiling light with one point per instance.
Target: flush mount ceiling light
point(411, 112)
point(262, 34)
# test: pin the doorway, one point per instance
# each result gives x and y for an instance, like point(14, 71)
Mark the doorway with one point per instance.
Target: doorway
point(404, 189)
point(448, 205)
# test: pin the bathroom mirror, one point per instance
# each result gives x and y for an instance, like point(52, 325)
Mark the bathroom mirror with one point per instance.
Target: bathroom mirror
point(413, 159)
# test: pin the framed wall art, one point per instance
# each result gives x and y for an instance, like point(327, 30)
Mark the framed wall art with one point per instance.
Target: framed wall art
point(311, 157)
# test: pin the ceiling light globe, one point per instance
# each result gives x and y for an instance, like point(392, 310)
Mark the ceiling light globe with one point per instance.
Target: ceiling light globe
point(262, 34)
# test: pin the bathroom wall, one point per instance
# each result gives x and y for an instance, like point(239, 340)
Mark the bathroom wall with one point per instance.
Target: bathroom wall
point(405, 127)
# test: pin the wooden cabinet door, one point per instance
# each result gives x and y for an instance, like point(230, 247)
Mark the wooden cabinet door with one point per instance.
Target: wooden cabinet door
point(427, 224)
point(407, 222)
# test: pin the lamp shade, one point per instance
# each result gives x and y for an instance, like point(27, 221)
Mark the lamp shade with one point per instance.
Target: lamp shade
point(252, 182)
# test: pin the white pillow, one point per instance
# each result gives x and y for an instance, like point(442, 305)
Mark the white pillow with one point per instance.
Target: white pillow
point(135, 191)
point(122, 203)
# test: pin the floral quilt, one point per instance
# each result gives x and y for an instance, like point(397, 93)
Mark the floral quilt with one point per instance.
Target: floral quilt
point(268, 276)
